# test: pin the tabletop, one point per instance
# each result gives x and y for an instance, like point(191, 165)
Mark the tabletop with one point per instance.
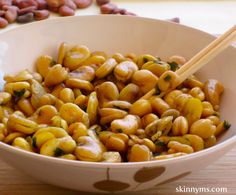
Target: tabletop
point(220, 175)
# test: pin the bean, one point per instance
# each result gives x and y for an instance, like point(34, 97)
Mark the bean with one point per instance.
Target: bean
point(176, 20)
point(71, 4)
point(5, 2)
point(108, 8)
point(83, 3)
point(41, 14)
point(55, 3)
point(26, 3)
point(102, 2)
point(3, 22)
point(11, 15)
point(27, 10)
point(2, 13)
point(42, 4)
point(29, 17)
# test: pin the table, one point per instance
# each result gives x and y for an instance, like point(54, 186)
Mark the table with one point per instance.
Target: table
point(220, 174)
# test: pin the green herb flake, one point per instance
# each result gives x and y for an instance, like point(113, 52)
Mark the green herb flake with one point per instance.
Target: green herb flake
point(53, 62)
point(19, 94)
point(167, 78)
point(119, 130)
point(157, 90)
point(160, 143)
point(173, 66)
point(227, 125)
point(34, 142)
point(59, 152)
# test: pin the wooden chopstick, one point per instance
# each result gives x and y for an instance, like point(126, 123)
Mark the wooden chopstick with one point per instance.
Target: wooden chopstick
point(201, 58)
point(204, 51)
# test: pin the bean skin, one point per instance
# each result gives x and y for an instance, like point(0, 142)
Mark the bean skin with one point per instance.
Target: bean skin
point(66, 11)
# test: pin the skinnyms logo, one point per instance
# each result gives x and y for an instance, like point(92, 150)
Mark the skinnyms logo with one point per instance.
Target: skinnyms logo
point(196, 190)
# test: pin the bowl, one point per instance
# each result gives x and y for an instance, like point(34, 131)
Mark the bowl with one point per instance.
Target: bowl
point(20, 47)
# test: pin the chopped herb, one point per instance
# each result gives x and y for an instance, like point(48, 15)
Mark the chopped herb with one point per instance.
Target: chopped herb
point(145, 60)
point(53, 62)
point(19, 94)
point(160, 143)
point(157, 90)
point(34, 142)
point(227, 125)
point(173, 66)
point(167, 78)
point(59, 152)
point(119, 130)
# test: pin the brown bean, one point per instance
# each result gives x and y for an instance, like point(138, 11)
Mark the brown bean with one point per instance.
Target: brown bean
point(55, 3)
point(102, 2)
point(11, 15)
point(3, 22)
point(71, 4)
point(108, 8)
point(66, 11)
point(27, 10)
point(42, 4)
point(26, 3)
point(2, 13)
point(29, 17)
point(41, 14)
point(83, 3)
point(54, 9)
point(5, 2)
point(6, 7)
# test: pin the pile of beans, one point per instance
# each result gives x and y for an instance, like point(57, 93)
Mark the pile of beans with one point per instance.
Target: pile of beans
point(89, 106)
point(24, 11)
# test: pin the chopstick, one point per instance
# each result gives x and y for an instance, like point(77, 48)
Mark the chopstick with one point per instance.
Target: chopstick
point(207, 54)
point(201, 58)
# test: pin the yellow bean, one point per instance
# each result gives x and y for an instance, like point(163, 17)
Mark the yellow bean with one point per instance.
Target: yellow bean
point(168, 81)
point(180, 147)
point(43, 64)
point(56, 75)
point(56, 90)
point(57, 121)
point(84, 73)
point(81, 101)
point(171, 112)
point(147, 119)
point(141, 108)
point(156, 67)
point(97, 60)
point(159, 105)
point(21, 143)
point(211, 141)
point(44, 114)
point(130, 93)
point(62, 52)
point(168, 156)
point(203, 128)
point(177, 59)
point(114, 143)
point(111, 157)
point(222, 127)
point(145, 79)
point(17, 88)
point(142, 59)
point(10, 137)
point(40, 138)
point(180, 126)
point(67, 95)
point(56, 131)
point(80, 84)
point(76, 56)
point(208, 109)
point(106, 68)
point(139, 153)
point(214, 119)
point(50, 148)
point(25, 106)
point(4, 97)
point(92, 108)
point(196, 142)
point(170, 98)
point(68, 157)
point(192, 82)
point(125, 70)
point(77, 130)
point(47, 99)
point(197, 93)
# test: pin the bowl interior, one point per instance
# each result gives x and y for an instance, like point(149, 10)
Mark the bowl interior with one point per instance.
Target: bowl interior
point(20, 47)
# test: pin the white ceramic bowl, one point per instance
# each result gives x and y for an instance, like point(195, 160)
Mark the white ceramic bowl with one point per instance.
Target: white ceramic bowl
point(21, 46)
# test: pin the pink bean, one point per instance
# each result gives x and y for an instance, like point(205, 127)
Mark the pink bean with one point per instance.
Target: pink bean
point(42, 4)
point(41, 14)
point(83, 3)
point(3, 22)
point(66, 11)
point(108, 8)
point(55, 3)
point(71, 4)
point(26, 3)
point(102, 2)
point(11, 14)
point(29, 17)
point(2, 13)
point(5, 2)
point(27, 10)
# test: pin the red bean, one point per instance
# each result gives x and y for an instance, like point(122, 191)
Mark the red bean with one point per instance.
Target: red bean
point(54, 9)
point(71, 4)
point(83, 3)
point(6, 7)
point(11, 14)
point(108, 8)
point(42, 4)
point(55, 3)
point(27, 10)
point(3, 22)
point(5, 2)
point(102, 2)
point(26, 3)
point(66, 11)
point(29, 17)
point(2, 13)
point(41, 14)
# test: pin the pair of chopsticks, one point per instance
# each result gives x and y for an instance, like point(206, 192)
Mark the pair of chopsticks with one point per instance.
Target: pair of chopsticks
point(202, 58)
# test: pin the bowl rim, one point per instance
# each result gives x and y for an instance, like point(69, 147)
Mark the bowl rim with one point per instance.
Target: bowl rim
point(14, 150)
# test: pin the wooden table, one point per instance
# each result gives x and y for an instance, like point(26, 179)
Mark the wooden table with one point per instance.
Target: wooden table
point(220, 174)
